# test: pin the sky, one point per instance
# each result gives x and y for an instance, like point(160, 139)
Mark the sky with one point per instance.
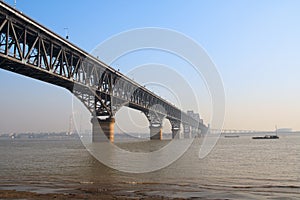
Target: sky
point(254, 44)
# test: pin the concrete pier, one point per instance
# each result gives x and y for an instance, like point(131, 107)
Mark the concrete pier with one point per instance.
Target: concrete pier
point(175, 133)
point(103, 129)
point(204, 130)
point(187, 131)
point(156, 133)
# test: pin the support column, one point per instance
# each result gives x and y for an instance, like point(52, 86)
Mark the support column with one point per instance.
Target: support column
point(204, 129)
point(156, 132)
point(103, 129)
point(195, 131)
point(198, 132)
point(155, 120)
point(175, 133)
point(175, 128)
point(187, 131)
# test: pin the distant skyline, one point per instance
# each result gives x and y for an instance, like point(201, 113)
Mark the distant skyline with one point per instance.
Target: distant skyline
point(254, 44)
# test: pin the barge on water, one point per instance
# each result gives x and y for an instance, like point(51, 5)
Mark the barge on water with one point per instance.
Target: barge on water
point(266, 137)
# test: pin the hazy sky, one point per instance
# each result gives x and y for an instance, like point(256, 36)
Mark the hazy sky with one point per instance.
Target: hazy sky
point(254, 44)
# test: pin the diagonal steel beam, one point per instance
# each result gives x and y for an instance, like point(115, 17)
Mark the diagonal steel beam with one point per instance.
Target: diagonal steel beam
point(3, 24)
point(16, 39)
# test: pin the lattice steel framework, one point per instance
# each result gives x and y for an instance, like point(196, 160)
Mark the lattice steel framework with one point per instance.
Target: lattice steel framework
point(30, 49)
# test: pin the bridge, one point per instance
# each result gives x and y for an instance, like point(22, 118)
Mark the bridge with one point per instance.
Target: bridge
point(30, 49)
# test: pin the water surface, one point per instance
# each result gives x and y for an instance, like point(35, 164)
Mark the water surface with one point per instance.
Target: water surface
point(236, 168)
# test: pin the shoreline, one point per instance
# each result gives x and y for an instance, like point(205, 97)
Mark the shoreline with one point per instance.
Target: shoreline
point(86, 194)
point(81, 193)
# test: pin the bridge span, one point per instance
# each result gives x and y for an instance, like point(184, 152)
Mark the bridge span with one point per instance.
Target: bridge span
point(30, 49)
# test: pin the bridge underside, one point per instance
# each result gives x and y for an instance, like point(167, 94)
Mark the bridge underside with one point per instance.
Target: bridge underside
point(22, 69)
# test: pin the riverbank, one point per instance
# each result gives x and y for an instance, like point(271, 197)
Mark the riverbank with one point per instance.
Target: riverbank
point(82, 194)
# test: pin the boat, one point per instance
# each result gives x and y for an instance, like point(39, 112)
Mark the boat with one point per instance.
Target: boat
point(266, 137)
point(231, 136)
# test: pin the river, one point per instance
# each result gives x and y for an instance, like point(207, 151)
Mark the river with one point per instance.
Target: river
point(237, 168)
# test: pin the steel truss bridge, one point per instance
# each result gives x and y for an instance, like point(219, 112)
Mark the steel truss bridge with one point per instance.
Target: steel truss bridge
point(30, 49)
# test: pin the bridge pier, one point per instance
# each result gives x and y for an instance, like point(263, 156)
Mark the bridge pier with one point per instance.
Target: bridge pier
point(186, 131)
point(102, 130)
point(155, 132)
point(175, 133)
point(155, 120)
point(203, 130)
point(175, 128)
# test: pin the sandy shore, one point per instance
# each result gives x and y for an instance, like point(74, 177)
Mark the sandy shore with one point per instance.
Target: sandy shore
point(83, 194)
